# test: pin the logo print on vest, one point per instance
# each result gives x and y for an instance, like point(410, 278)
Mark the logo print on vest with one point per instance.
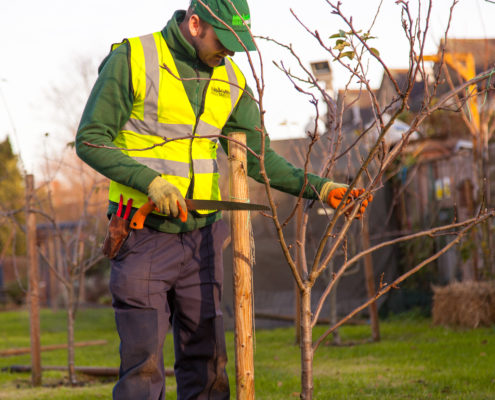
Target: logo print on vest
point(217, 91)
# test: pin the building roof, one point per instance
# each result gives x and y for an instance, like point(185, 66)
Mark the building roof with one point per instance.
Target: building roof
point(483, 50)
point(358, 106)
point(386, 93)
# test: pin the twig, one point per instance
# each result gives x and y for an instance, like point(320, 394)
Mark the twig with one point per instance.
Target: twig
point(166, 140)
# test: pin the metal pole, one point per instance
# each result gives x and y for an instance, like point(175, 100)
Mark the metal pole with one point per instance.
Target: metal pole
point(242, 280)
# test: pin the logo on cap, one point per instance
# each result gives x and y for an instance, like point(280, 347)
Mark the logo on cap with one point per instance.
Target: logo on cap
point(236, 20)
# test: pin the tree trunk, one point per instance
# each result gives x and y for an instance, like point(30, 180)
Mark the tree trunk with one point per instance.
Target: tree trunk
point(299, 263)
point(53, 280)
point(81, 298)
point(486, 226)
point(70, 334)
point(33, 293)
point(370, 281)
point(469, 268)
point(336, 339)
point(306, 346)
point(62, 270)
point(480, 154)
point(297, 314)
point(486, 234)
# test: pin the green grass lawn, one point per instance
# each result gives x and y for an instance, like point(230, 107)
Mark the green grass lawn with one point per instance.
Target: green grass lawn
point(413, 361)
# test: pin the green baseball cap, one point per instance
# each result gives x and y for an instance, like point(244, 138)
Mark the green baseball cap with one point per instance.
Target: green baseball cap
point(224, 10)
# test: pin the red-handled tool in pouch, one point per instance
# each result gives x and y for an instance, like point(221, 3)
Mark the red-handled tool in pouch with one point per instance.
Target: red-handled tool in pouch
point(118, 229)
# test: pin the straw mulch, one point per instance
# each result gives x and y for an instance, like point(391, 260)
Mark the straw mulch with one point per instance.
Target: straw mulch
point(464, 304)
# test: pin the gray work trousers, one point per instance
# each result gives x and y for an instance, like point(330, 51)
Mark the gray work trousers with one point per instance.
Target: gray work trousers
point(160, 278)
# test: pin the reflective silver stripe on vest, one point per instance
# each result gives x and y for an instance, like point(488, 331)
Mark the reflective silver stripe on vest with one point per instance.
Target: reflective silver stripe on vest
point(150, 125)
point(205, 166)
point(166, 167)
point(152, 68)
point(203, 129)
point(177, 168)
point(234, 89)
point(171, 131)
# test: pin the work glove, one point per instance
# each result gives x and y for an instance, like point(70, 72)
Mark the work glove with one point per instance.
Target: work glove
point(333, 193)
point(167, 198)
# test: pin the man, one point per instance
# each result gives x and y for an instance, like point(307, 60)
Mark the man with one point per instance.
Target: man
point(176, 83)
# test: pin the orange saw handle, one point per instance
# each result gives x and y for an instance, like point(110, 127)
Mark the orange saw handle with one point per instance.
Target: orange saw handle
point(137, 221)
point(182, 213)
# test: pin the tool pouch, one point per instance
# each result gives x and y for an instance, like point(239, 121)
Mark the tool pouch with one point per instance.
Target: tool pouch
point(118, 230)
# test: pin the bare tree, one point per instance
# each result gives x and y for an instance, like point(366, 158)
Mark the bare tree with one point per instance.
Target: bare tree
point(352, 49)
point(72, 209)
point(73, 234)
point(77, 242)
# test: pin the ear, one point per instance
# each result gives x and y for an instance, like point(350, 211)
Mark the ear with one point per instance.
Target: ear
point(194, 25)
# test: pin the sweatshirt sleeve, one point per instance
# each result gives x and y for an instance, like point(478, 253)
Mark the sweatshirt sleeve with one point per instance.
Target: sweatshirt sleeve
point(283, 175)
point(107, 110)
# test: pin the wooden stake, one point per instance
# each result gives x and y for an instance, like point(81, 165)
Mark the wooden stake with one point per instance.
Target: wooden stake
point(26, 350)
point(33, 293)
point(370, 281)
point(94, 371)
point(242, 280)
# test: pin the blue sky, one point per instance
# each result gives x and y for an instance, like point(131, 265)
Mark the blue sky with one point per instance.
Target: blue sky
point(44, 42)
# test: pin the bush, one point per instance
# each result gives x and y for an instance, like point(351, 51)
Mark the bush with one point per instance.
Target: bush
point(16, 292)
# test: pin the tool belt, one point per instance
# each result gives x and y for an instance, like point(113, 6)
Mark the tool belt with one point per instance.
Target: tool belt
point(119, 227)
point(118, 230)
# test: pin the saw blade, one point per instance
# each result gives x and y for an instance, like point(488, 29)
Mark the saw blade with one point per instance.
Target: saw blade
point(195, 204)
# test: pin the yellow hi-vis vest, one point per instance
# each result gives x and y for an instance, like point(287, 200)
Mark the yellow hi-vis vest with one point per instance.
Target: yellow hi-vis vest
point(162, 109)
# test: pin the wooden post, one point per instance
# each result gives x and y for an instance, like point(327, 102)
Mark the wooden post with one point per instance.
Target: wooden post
point(242, 279)
point(334, 317)
point(26, 350)
point(467, 187)
point(33, 292)
point(370, 282)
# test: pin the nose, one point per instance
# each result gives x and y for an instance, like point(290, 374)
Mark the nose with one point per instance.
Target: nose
point(226, 51)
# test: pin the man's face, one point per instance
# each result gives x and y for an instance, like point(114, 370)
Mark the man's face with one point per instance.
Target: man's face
point(209, 49)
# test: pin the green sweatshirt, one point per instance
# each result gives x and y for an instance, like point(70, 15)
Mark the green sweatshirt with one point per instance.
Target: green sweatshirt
point(110, 104)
